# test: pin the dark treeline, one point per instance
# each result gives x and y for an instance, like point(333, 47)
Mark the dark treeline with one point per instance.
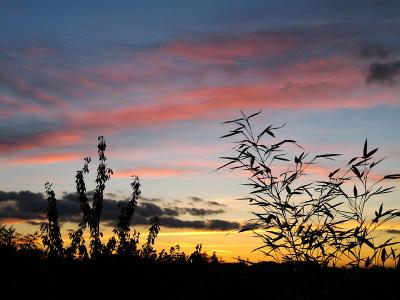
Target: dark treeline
point(172, 276)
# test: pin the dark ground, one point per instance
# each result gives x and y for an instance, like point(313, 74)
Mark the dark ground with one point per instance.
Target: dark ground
point(30, 278)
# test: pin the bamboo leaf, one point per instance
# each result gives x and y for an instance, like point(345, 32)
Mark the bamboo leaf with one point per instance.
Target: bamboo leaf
point(253, 115)
point(327, 156)
point(383, 255)
point(355, 191)
point(393, 176)
point(231, 134)
point(281, 158)
point(233, 121)
point(356, 171)
point(331, 174)
point(352, 160)
point(365, 150)
point(372, 152)
point(288, 190)
point(223, 166)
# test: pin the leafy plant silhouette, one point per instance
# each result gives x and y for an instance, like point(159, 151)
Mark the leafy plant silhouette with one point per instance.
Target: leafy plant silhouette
point(91, 214)
point(147, 250)
point(122, 244)
point(320, 221)
point(125, 244)
point(51, 234)
point(12, 242)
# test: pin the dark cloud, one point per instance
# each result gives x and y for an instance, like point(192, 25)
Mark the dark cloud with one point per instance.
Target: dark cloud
point(201, 211)
point(196, 199)
point(150, 199)
point(387, 73)
point(209, 224)
point(393, 231)
point(250, 225)
point(222, 225)
point(149, 210)
point(214, 203)
point(31, 207)
point(368, 51)
point(171, 211)
point(22, 205)
point(35, 223)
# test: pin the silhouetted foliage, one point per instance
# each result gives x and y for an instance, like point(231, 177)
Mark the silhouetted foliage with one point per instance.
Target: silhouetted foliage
point(123, 244)
point(148, 251)
point(91, 210)
point(175, 255)
point(126, 244)
point(322, 221)
point(199, 257)
point(51, 235)
point(12, 242)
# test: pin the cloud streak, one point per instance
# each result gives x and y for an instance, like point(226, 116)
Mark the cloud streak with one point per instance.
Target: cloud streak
point(51, 103)
point(25, 206)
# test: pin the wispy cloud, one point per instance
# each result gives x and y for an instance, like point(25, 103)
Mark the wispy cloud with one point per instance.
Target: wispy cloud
point(46, 158)
point(154, 172)
point(50, 103)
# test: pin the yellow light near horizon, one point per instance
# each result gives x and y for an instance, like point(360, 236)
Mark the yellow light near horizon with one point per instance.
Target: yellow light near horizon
point(229, 245)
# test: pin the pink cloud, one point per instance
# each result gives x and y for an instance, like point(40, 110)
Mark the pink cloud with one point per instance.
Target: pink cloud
point(153, 172)
point(46, 158)
point(13, 105)
point(57, 139)
point(152, 89)
point(229, 48)
point(172, 169)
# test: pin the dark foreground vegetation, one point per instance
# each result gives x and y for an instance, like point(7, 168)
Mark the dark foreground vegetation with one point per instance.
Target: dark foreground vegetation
point(308, 228)
point(29, 275)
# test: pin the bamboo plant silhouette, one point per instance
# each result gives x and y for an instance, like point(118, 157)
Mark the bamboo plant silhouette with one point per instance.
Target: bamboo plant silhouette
point(310, 221)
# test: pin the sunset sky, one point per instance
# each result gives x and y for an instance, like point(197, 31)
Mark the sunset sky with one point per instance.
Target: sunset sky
point(157, 79)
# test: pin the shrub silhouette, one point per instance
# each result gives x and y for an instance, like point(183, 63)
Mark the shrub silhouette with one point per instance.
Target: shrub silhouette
point(91, 214)
point(125, 244)
point(122, 244)
point(199, 257)
point(148, 251)
point(175, 255)
point(322, 221)
point(12, 242)
point(51, 235)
